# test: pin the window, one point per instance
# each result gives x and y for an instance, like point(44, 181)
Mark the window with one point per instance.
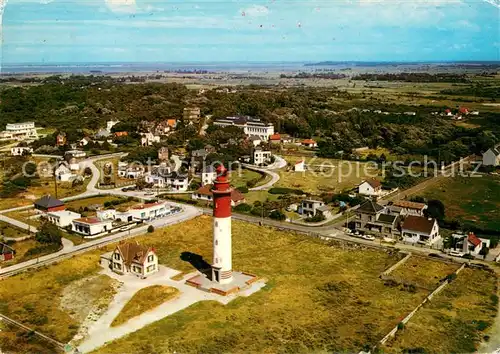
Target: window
point(216, 224)
point(151, 268)
point(216, 242)
point(151, 258)
point(117, 256)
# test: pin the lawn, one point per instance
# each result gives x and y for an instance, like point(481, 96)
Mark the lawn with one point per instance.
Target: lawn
point(317, 297)
point(326, 175)
point(7, 230)
point(144, 300)
point(473, 200)
point(424, 272)
point(455, 320)
point(240, 178)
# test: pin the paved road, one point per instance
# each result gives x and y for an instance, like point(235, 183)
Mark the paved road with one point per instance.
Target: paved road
point(274, 177)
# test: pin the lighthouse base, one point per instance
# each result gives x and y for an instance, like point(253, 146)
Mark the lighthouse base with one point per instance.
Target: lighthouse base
point(240, 281)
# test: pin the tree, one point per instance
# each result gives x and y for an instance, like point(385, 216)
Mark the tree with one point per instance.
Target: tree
point(151, 229)
point(49, 234)
point(277, 215)
point(435, 209)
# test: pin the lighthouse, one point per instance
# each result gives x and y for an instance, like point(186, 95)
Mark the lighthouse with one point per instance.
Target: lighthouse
point(222, 268)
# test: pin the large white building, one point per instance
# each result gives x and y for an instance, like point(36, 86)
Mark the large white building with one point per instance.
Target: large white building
point(149, 211)
point(62, 218)
point(261, 157)
point(250, 126)
point(20, 131)
point(91, 226)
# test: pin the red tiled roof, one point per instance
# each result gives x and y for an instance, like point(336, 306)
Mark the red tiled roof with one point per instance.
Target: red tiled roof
point(171, 122)
point(374, 183)
point(464, 110)
point(146, 206)
point(236, 195)
point(419, 224)
point(133, 252)
point(90, 220)
point(308, 141)
point(474, 239)
point(275, 137)
point(409, 205)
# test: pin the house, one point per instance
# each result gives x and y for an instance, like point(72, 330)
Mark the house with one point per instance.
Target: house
point(131, 171)
point(20, 131)
point(492, 156)
point(309, 143)
point(275, 139)
point(102, 134)
point(208, 175)
point(372, 217)
point(370, 187)
point(325, 211)
point(6, 252)
point(448, 112)
point(21, 151)
point(156, 180)
point(300, 166)
point(132, 258)
point(62, 218)
point(255, 140)
point(61, 139)
point(177, 182)
point(74, 157)
point(419, 229)
point(48, 204)
point(286, 139)
point(163, 153)
point(148, 139)
point(463, 110)
point(110, 124)
point(191, 114)
point(261, 157)
point(63, 173)
point(120, 134)
point(149, 211)
point(205, 193)
point(249, 125)
point(91, 226)
point(84, 141)
point(405, 207)
point(106, 214)
point(310, 207)
point(470, 243)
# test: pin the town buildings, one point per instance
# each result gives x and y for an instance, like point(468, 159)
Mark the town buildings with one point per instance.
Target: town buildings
point(492, 156)
point(261, 157)
point(192, 114)
point(300, 166)
point(469, 243)
point(91, 226)
point(372, 217)
point(208, 175)
point(310, 143)
point(133, 258)
point(251, 126)
point(163, 154)
point(419, 229)
point(6, 252)
point(19, 131)
point(370, 187)
point(48, 203)
point(404, 208)
point(132, 171)
point(62, 218)
point(149, 211)
point(204, 193)
point(21, 151)
point(174, 181)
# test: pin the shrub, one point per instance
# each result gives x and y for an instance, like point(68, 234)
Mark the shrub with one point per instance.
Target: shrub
point(243, 208)
point(316, 218)
point(243, 189)
point(277, 215)
point(49, 234)
point(482, 325)
point(451, 277)
point(401, 326)
point(283, 190)
point(151, 228)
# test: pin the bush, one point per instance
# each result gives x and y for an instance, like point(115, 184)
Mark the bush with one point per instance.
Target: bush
point(401, 326)
point(49, 234)
point(316, 218)
point(243, 208)
point(151, 228)
point(283, 190)
point(243, 189)
point(277, 215)
point(451, 277)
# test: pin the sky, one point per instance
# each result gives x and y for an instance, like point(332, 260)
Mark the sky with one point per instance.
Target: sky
point(83, 31)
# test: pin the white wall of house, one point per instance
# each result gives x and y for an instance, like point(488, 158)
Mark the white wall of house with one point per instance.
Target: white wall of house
point(260, 157)
point(300, 167)
point(90, 229)
point(208, 177)
point(62, 218)
point(490, 158)
point(20, 150)
point(366, 188)
point(421, 237)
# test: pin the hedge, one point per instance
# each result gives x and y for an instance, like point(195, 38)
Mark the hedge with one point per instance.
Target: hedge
point(283, 190)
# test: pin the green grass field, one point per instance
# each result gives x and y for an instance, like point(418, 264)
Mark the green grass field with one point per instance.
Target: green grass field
point(471, 200)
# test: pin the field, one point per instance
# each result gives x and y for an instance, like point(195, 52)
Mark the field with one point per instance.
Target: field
point(454, 321)
point(240, 179)
point(471, 200)
point(318, 297)
point(144, 300)
point(326, 175)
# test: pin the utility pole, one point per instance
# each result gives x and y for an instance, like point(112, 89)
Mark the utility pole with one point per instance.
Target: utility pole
point(55, 183)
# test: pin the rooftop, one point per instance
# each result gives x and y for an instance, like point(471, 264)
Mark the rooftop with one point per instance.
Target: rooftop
point(133, 252)
point(409, 205)
point(370, 207)
point(47, 202)
point(147, 206)
point(419, 224)
point(89, 220)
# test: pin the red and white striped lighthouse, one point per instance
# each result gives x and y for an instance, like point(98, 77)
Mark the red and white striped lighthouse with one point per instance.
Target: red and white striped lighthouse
point(222, 268)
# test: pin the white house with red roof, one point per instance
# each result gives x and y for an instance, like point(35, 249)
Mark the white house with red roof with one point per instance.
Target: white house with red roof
point(470, 243)
point(300, 166)
point(370, 187)
point(91, 226)
point(205, 193)
point(309, 143)
point(275, 138)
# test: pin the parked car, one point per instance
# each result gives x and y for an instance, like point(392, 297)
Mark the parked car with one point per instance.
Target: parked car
point(456, 254)
point(389, 240)
point(368, 237)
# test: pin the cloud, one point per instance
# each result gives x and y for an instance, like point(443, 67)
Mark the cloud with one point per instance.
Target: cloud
point(122, 6)
point(255, 11)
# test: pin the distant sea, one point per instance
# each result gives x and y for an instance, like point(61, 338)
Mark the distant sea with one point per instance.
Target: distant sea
point(222, 67)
